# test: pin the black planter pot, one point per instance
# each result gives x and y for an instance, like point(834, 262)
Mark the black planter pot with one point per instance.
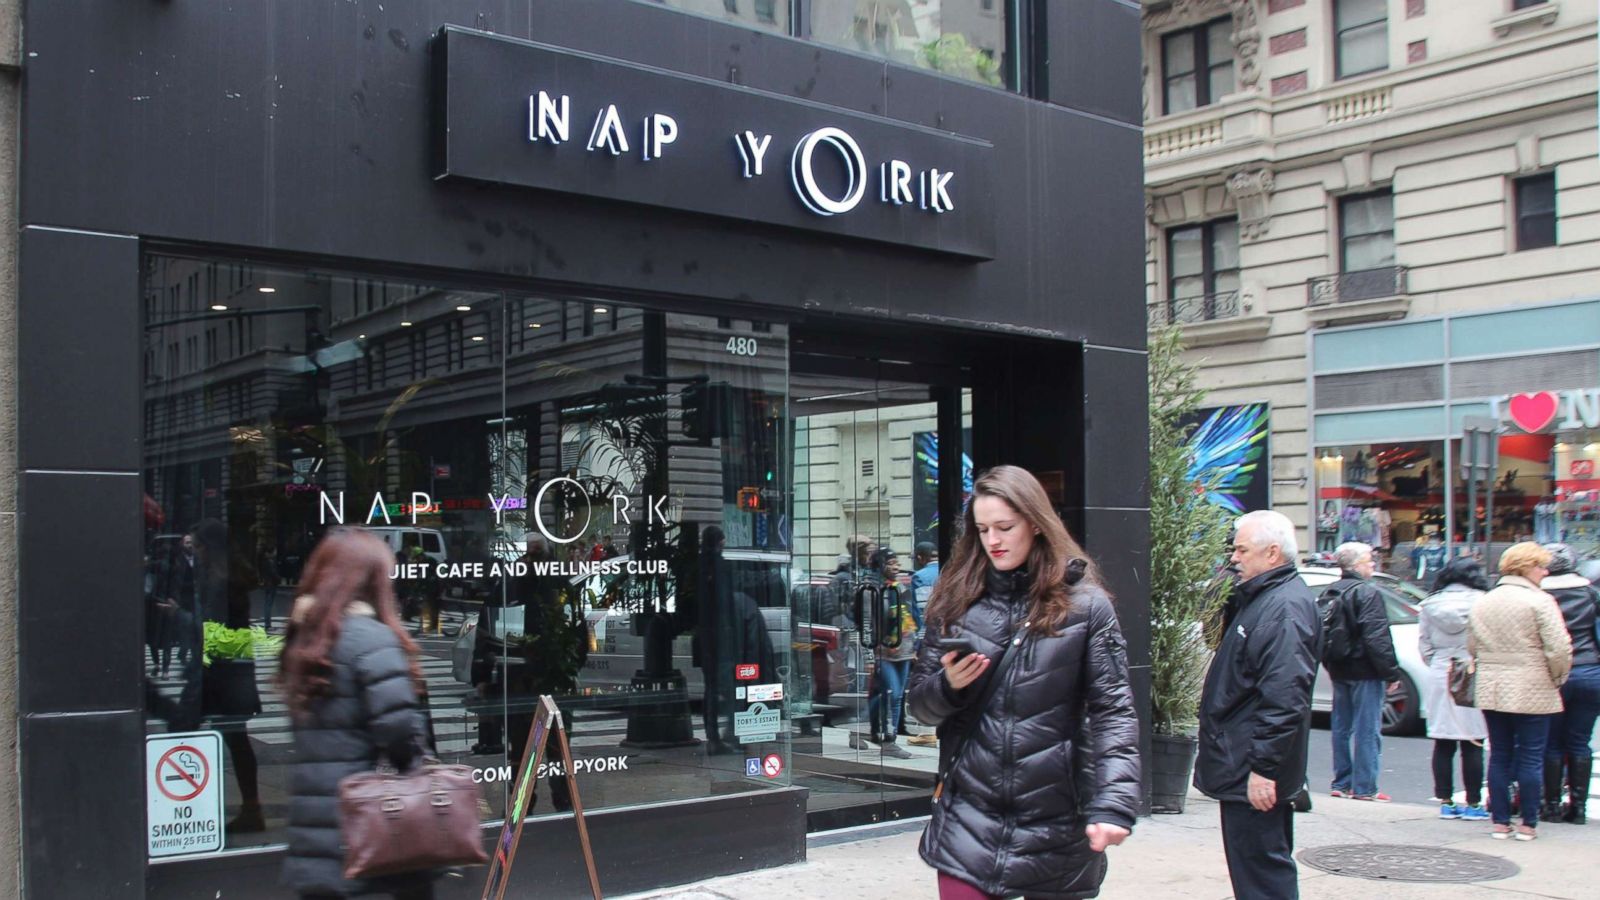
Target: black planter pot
point(228, 689)
point(1171, 770)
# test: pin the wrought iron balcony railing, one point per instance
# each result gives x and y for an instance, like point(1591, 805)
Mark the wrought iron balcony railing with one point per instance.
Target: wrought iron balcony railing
point(1185, 310)
point(1352, 287)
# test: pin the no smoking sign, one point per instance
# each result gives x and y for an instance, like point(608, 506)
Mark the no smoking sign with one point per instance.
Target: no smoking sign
point(183, 790)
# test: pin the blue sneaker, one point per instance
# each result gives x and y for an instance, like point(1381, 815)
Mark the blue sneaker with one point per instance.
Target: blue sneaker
point(1474, 813)
point(1450, 811)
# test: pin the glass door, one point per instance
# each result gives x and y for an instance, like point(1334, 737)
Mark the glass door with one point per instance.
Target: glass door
point(866, 436)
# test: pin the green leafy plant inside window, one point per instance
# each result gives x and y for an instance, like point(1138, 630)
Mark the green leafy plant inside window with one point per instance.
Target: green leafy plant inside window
point(953, 54)
point(222, 642)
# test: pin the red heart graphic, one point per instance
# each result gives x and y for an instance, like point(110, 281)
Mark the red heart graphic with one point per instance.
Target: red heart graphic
point(1532, 412)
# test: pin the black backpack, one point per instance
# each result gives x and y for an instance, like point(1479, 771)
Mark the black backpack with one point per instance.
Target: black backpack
point(1340, 643)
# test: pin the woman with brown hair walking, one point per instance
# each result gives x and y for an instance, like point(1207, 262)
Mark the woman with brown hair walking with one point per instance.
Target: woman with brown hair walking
point(351, 679)
point(1024, 671)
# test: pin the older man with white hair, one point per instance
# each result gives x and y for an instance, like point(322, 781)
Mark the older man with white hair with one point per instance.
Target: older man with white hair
point(1358, 653)
point(1255, 711)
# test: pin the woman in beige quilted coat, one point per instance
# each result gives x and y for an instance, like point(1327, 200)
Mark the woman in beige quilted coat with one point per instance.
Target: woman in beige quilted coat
point(1523, 653)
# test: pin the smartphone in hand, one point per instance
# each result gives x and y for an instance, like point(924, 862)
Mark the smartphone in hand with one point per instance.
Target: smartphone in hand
point(960, 643)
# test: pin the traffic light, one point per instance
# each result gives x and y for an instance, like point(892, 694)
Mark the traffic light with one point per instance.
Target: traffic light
point(705, 409)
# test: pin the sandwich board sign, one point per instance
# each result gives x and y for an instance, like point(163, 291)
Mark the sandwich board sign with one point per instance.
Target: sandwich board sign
point(183, 791)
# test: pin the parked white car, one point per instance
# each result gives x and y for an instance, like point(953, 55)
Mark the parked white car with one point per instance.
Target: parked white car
point(1402, 708)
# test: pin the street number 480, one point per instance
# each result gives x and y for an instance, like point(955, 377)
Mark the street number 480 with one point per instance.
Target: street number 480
point(741, 346)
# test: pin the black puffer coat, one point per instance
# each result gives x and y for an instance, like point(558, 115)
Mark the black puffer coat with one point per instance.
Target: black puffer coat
point(371, 710)
point(1055, 749)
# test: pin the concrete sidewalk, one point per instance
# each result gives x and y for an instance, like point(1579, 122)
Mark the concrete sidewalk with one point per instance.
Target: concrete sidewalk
point(1181, 856)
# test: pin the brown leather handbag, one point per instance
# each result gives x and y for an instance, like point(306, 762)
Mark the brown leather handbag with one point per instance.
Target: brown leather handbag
point(423, 819)
point(1463, 682)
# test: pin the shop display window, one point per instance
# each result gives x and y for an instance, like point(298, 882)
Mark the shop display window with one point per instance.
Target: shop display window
point(584, 500)
point(1546, 488)
point(1389, 495)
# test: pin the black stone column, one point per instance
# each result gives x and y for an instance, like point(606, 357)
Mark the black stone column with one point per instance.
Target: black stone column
point(80, 608)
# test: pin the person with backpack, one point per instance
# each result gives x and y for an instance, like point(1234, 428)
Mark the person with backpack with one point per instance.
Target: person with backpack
point(1358, 653)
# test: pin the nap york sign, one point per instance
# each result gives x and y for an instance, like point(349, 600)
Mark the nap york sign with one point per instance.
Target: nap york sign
point(520, 113)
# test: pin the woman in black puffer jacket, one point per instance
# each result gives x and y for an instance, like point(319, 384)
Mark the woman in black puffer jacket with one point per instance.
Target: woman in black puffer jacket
point(351, 679)
point(1048, 776)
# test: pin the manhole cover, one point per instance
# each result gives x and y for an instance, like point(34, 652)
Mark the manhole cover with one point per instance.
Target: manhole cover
point(1406, 863)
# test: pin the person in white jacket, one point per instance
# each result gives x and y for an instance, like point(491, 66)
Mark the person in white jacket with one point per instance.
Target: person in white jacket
point(1442, 637)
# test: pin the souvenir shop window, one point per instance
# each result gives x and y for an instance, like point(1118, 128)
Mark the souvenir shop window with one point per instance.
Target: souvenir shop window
point(1547, 488)
point(1388, 495)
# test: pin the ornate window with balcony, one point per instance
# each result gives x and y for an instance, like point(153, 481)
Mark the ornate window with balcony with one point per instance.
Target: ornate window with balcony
point(1366, 231)
point(1197, 66)
point(1203, 271)
point(1368, 285)
point(1362, 37)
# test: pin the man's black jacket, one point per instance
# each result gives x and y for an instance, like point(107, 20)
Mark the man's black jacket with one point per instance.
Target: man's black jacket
point(1255, 711)
point(1369, 618)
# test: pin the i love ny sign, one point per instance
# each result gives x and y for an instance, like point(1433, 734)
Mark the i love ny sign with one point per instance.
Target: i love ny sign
point(1535, 412)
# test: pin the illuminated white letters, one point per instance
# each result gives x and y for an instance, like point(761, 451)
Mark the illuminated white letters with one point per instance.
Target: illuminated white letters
point(538, 503)
point(752, 149)
point(378, 506)
point(659, 130)
point(327, 507)
point(619, 509)
point(896, 177)
point(499, 508)
point(420, 502)
point(935, 195)
point(607, 133)
point(805, 176)
point(549, 120)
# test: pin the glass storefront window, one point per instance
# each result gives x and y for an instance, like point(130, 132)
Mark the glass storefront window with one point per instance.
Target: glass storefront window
point(1546, 488)
point(766, 15)
point(1391, 496)
point(963, 38)
point(584, 500)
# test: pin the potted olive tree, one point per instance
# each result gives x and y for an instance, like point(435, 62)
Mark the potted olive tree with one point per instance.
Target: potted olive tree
point(1188, 539)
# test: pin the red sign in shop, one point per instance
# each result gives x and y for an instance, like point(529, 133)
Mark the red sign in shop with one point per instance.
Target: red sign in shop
point(746, 672)
point(1582, 468)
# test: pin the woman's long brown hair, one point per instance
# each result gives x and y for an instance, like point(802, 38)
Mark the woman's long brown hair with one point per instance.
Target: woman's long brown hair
point(347, 567)
point(1057, 564)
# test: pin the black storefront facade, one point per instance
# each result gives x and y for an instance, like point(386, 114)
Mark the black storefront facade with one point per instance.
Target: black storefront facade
point(616, 321)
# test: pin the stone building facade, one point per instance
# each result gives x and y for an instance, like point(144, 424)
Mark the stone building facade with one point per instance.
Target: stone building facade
point(1314, 168)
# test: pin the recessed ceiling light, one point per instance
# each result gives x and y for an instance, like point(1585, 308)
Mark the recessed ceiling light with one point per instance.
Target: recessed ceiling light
point(535, 325)
point(267, 290)
point(219, 306)
point(477, 337)
point(463, 309)
point(405, 324)
point(361, 337)
point(600, 310)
